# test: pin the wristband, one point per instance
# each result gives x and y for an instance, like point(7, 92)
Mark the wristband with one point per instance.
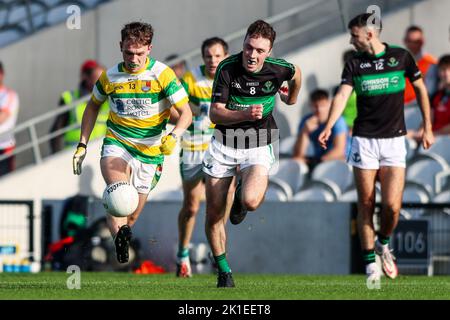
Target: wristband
point(82, 145)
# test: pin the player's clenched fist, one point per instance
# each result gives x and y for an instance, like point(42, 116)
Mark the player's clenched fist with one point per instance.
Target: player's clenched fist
point(78, 158)
point(254, 112)
point(168, 144)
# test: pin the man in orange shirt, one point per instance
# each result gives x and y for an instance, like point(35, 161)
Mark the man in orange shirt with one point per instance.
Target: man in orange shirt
point(414, 41)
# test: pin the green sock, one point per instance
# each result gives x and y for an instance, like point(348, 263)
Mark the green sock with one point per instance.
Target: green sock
point(222, 263)
point(368, 256)
point(383, 239)
point(183, 252)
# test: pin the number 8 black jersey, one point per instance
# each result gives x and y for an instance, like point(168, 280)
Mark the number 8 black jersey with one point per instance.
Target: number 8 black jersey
point(239, 89)
point(379, 83)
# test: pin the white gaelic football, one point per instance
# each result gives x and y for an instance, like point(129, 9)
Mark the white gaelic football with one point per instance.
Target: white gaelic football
point(120, 199)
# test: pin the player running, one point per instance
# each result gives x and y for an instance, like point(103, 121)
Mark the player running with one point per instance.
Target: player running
point(377, 73)
point(141, 91)
point(243, 98)
point(198, 83)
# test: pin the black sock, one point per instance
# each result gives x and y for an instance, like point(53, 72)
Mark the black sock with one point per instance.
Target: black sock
point(368, 256)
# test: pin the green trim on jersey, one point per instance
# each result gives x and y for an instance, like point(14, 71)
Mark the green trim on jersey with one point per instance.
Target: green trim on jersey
point(230, 59)
point(241, 103)
point(155, 97)
point(138, 133)
point(135, 153)
point(380, 84)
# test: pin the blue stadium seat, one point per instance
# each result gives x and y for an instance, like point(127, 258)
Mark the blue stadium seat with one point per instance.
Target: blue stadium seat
point(415, 193)
point(289, 172)
point(352, 195)
point(336, 171)
point(443, 197)
point(275, 193)
point(10, 35)
point(441, 147)
point(413, 117)
point(411, 147)
point(423, 171)
point(316, 191)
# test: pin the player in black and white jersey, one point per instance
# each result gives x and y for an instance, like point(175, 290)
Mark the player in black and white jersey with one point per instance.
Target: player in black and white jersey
point(377, 74)
point(243, 98)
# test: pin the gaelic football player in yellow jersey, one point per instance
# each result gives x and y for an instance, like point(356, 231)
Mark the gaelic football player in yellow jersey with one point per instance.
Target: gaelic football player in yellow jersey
point(141, 92)
point(198, 83)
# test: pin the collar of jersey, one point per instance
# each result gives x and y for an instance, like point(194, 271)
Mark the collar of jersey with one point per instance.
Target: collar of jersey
point(147, 62)
point(379, 55)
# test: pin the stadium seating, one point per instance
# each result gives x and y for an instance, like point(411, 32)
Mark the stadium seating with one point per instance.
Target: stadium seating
point(289, 175)
point(413, 117)
point(443, 197)
point(287, 147)
point(352, 195)
point(334, 172)
point(423, 171)
point(316, 191)
point(411, 147)
point(415, 193)
point(275, 193)
point(441, 147)
point(21, 18)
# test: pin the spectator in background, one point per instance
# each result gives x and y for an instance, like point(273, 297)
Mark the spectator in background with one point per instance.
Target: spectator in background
point(89, 74)
point(414, 41)
point(440, 102)
point(310, 127)
point(179, 67)
point(432, 77)
point(9, 108)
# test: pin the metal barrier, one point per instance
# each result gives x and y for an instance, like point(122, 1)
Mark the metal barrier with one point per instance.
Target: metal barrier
point(428, 250)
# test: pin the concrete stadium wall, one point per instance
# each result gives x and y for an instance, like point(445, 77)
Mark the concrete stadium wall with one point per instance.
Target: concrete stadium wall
point(321, 63)
point(307, 238)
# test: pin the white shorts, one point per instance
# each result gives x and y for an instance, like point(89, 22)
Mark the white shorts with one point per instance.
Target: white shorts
point(191, 164)
point(373, 153)
point(144, 176)
point(221, 161)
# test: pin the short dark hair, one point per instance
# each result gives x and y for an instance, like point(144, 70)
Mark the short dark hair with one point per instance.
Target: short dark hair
point(361, 21)
point(413, 28)
point(1, 68)
point(137, 32)
point(444, 61)
point(260, 28)
point(212, 41)
point(318, 94)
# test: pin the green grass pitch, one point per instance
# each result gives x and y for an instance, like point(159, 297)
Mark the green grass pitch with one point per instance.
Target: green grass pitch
point(53, 285)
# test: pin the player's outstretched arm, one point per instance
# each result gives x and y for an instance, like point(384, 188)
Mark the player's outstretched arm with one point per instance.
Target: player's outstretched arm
point(337, 107)
point(424, 103)
point(87, 124)
point(294, 86)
